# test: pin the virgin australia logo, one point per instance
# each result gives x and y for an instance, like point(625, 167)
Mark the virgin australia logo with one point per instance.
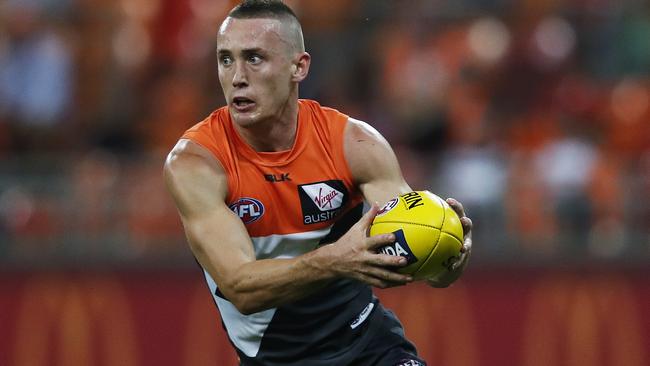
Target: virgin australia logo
point(322, 201)
point(324, 196)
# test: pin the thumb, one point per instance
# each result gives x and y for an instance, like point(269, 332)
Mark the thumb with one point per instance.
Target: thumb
point(367, 219)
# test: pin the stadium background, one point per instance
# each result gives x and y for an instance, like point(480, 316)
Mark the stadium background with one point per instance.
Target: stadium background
point(534, 113)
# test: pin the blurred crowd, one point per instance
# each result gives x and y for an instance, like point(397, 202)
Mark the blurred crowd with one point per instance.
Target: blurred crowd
point(535, 114)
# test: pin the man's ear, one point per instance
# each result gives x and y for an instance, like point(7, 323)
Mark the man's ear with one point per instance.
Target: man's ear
point(300, 67)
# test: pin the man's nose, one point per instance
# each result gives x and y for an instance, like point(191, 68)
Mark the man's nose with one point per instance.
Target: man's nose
point(239, 79)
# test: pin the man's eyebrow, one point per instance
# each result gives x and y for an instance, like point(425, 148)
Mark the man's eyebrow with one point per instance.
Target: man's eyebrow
point(252, 50)
point(244, 51)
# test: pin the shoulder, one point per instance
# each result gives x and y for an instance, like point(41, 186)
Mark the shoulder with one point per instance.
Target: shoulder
point(366, 150)
point(363, 140)
point(372, 162)
point(360, 133)
point(206, 143)
point(191, 172)
point(187, 154)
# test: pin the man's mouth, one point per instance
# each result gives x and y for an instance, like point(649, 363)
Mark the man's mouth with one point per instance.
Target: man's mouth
point(242, 103)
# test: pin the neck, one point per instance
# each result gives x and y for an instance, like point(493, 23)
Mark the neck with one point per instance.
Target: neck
point(276, 133)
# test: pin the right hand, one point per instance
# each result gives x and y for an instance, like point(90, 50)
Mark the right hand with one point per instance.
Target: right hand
point(355, 256)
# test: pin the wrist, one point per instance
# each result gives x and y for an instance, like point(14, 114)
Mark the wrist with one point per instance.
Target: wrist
point(319, 263)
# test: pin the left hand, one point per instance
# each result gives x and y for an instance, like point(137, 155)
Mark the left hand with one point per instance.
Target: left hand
point(448, 277)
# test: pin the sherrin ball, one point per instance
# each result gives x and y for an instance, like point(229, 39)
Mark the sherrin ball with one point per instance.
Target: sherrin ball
point(428, 233)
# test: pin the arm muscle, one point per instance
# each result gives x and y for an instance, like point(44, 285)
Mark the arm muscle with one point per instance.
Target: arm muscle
point(221, 243)
point(373, 163)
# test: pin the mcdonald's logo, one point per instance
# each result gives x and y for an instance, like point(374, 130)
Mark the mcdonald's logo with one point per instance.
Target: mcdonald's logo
point(435, 321)
point(579, 322)
point(62, 322)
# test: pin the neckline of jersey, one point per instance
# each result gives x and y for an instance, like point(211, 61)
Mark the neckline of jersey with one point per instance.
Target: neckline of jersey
point(276, 158)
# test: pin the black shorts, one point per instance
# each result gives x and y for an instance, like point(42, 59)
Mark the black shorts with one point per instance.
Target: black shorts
point(388, 345)
point(383, 343)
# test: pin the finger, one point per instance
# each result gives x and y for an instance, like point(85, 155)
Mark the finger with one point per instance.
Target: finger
point(467, 246)
point(467, 224)
point(380, 240)
point(385, 260)
point(457, 206)
point(387, 276)
point(369, 216)
point(458, 266)
point(458, 263)
point(464, 260)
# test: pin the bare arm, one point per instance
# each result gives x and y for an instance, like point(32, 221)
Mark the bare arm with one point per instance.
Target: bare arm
point(373, 163)
point(376, 170)
point(221, 243)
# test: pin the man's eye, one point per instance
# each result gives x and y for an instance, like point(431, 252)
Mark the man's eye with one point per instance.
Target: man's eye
point(226, 60)
point(254, 59)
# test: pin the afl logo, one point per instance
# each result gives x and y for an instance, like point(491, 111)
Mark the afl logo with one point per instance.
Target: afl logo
point(248, 209)
point(388, 206)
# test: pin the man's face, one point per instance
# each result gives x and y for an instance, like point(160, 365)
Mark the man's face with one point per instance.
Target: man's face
point(255, 68)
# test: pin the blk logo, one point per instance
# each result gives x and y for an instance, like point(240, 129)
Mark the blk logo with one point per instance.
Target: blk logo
point(248, 209)
point(275, 178)
point(399, 248)
point(322, 201)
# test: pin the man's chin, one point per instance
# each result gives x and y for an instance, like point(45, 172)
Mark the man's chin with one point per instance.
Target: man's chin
point(243, 119)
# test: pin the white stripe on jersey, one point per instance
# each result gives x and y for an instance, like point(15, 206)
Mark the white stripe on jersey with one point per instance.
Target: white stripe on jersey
point(246, 331)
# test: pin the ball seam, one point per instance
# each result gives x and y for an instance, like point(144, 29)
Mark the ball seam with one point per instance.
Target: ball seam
point(407, 222)
point(444, 216)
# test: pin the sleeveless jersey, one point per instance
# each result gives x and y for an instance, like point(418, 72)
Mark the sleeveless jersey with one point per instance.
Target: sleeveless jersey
point(291, 202)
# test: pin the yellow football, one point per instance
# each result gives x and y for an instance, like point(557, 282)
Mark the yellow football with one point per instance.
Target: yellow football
point(427, 231)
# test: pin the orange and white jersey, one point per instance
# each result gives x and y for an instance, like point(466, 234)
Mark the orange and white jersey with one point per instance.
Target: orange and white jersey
point(288, 192)
point(291, 202)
